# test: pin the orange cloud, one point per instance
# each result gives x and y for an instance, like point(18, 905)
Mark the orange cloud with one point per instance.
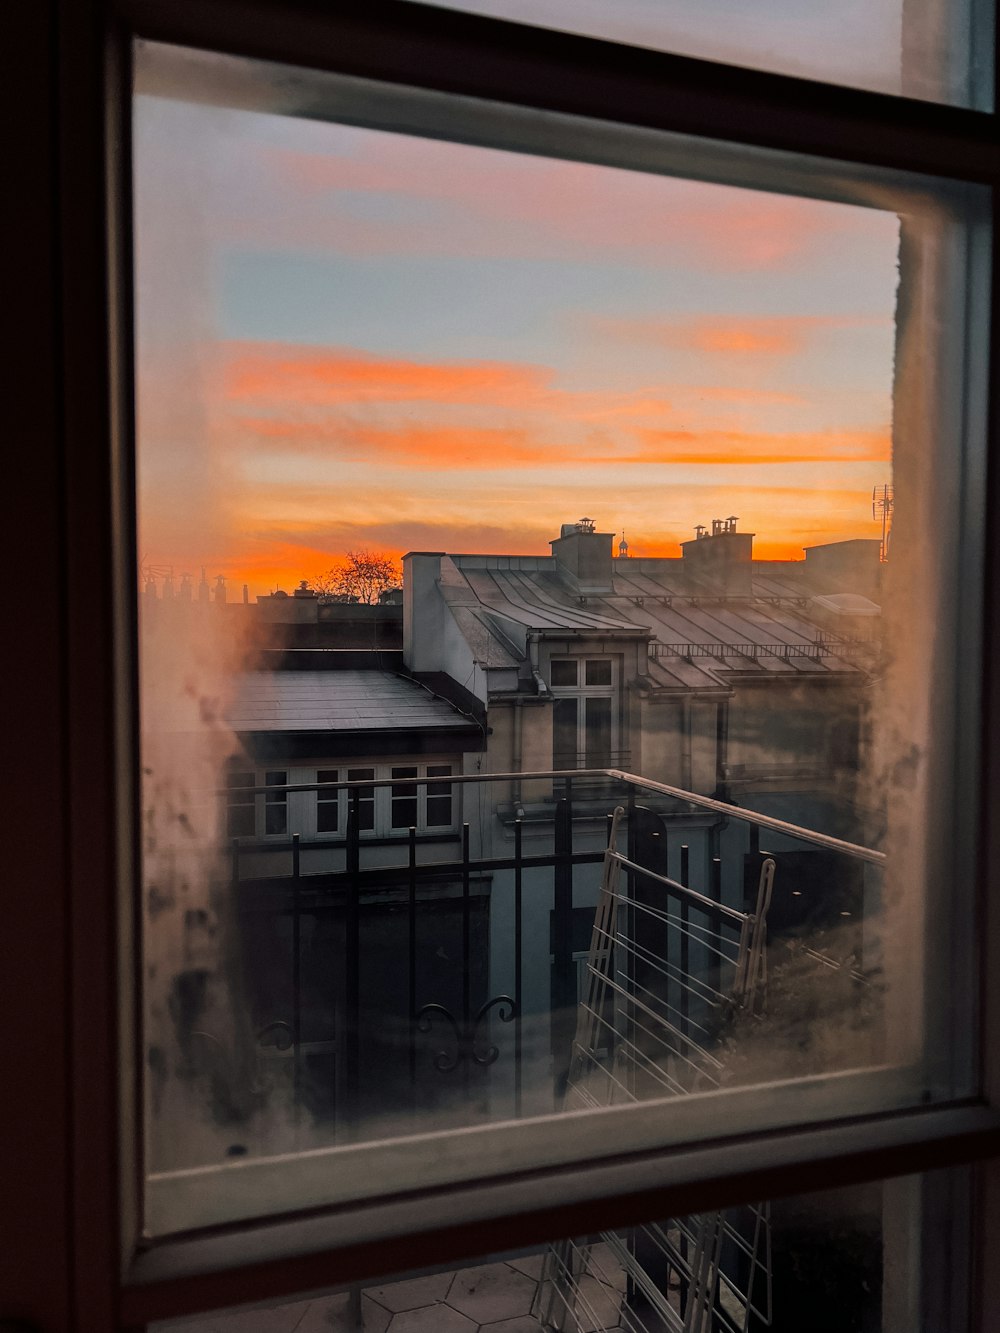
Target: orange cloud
point(282, 555)
point(772, 339)
point(344, 375)
point(436, 446)
point(675, 446)
point(294, 377)
point(326, 432)
point(768, 336)
point(282, 534)
point(445, 447)
point(735, 394)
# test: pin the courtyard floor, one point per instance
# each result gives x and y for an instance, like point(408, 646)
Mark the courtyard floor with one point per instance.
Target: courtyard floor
point(488, 1298)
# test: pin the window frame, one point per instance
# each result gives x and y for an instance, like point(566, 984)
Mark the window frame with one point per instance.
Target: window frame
point(384, 771)
point(581, 692)
point(75, 77)
point(301, 787)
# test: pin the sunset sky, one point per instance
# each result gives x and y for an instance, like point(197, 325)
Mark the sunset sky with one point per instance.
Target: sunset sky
point(348, 339)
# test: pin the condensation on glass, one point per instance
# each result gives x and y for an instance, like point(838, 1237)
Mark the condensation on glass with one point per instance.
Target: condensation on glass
point(841, 1261)
point(555, 586)
point(934, 50)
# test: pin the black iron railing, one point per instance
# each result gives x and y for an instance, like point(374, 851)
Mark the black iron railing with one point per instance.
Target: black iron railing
point(408, 978)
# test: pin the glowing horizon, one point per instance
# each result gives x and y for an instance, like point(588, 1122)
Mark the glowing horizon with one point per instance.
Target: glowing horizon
point(348, 338)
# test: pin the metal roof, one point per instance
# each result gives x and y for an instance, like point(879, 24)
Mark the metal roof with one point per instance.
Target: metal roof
point(698, 640)
point(336, 701)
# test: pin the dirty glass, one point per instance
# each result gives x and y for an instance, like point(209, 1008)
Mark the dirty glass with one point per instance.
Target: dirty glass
point(841, 1261)
point(556, 581)
point(936, 50)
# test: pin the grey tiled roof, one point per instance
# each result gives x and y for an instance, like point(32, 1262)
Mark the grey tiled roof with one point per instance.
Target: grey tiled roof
point(335, 701)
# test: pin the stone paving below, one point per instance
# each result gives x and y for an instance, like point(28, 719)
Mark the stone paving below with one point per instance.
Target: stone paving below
point(487, 1298)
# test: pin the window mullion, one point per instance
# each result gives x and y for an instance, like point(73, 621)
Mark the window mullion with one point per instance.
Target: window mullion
point(420, 46)
point(222, 1267)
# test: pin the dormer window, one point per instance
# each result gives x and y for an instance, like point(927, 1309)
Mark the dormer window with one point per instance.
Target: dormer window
point(585, 724)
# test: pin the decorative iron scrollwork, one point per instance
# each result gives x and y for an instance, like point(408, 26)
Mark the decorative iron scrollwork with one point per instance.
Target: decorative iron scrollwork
point(278, 1034)
point(468, 1037)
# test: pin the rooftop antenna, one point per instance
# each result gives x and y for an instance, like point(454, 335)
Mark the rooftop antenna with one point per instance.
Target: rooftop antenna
point(882, 504)
point(149, 572)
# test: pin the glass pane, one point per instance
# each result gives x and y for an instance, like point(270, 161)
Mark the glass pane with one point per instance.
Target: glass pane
point(937, 50)
point(275, 804)
point(598, 672)
point(356, 344)
point(327, 803)
point(598, 738)
point(240, 805)
point(404, 799)
point(565, 737)
point(439, 797)
point(363, 799)
point(563, 673)
point(866, 1259)
point(240, 821)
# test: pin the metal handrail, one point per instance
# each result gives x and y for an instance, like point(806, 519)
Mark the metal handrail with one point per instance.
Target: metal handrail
point(775, 825)
point(752, 817)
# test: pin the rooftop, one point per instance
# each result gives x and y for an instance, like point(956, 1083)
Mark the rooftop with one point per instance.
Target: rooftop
point(336, 701)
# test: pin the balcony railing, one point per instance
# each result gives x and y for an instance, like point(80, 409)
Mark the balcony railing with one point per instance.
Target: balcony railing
point(440, 975)
point(828, 647)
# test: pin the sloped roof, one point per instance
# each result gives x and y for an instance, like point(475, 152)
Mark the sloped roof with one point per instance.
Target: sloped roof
point(301, 701)
point(541, 601)
point(697, 641)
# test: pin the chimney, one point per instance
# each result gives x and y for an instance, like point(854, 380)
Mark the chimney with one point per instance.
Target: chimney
point(584, 556)
point(423, 611)
point(246, 594)
point(204, 592)
point(220, 588)
point(851, 566)
point(721, 560)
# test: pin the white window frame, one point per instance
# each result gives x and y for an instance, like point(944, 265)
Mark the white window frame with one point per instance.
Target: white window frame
point(382, 771)
point(302, 807)
point(74, 1244)
point(259, 800)
point(581, 691)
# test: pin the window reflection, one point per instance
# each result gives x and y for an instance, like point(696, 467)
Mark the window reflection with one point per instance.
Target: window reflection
point(821, 1261)
point(921, 50)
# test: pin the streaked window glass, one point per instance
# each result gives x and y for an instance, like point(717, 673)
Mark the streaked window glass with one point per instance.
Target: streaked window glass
point(681, 483)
